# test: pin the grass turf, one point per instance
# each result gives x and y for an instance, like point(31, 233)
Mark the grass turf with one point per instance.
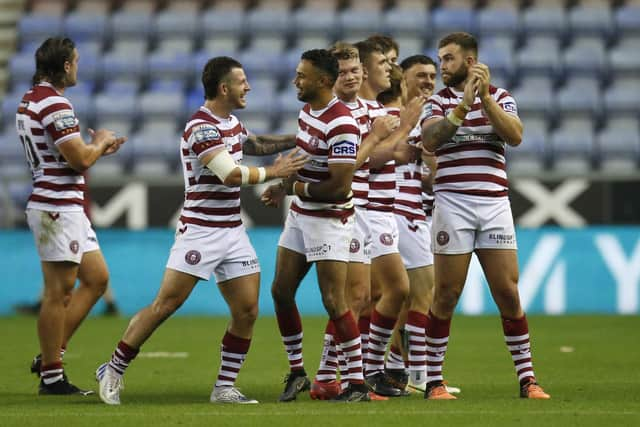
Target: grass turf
point(587, 363)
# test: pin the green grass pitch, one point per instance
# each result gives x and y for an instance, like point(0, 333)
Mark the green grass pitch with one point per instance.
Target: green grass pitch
point(589, 364)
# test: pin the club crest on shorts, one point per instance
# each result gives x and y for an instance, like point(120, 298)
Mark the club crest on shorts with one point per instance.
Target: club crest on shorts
point(354, 246)
point(386, 239)
point(192, 257)
point(74, 246)
point(442, 238)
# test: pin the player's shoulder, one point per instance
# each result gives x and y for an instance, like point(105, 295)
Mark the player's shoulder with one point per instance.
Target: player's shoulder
point(337, 110)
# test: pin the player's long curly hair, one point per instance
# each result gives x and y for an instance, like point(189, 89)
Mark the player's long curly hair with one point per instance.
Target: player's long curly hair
point(50, 59)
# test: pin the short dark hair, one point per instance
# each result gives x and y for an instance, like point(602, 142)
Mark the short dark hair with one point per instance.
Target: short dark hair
point(412, 60)
point(385, 42)
point(395, 90)
point(465, 40)
point(50, 59)
point(214, 72)
point(366, 48)
point(324, 61)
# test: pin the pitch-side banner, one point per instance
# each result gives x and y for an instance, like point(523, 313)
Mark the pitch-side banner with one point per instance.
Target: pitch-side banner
point(589, 270)
point(568, 203)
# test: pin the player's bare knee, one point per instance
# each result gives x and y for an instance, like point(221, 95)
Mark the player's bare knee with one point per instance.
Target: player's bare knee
point(281, 295)
point(165, 307)
point(246, 315)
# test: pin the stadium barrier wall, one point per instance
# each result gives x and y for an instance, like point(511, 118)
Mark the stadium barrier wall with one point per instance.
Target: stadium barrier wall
point(589, 270)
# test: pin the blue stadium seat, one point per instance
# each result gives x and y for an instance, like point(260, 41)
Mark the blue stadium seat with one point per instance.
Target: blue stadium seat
point(222, 44)
point(83, 105)
point(580, 95)
point(531, 155)
point(119, 64)
point(166, 85)
point(586, 56)
point(445, 20)
point(223, 22)
point(131, 25)
point(493, 21)
point(116, 106)
point(270, 44)
point(195, 99)
point(622, 96)
point(306, 42)
point(37, 27)
point(122, 86)
point(10, 103)
point(11, 151)
point(154, 150)
point(133, 47)
point(627, 19)
point(573, 146)
point(400, 21)
point(535, 94)
point(264, 20)
point(619, 146)
point(170, 65)
point(288, 102)
point(358, 24)
point(497, 53)
point(409, 45)
point(21, 67)
point(162, 105)
point(546, 19)
point(589, 19)
point(313, 21)
point(541, 55)
point(86, 26)
point(257, 62)
point(624, 58)
point(170, 23)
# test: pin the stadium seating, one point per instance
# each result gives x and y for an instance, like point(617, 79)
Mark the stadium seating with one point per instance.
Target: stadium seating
point(566, 63)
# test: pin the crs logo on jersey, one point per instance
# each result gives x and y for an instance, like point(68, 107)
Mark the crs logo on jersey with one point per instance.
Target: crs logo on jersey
point(64, 120)
point(344, 148)
point(510, 107)
point(205, 133)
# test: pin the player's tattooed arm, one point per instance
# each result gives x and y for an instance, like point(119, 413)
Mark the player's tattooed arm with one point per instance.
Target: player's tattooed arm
point(436, 132)
point(264, 145)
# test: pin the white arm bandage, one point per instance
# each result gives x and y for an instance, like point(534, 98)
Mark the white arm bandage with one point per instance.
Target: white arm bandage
point(245, 173)
point(222, 165)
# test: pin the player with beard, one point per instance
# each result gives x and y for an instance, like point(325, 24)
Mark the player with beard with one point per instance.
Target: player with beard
point(389, 282)
point(320, 223)
point(468, 124)
point(210, 238)
point(350, 76)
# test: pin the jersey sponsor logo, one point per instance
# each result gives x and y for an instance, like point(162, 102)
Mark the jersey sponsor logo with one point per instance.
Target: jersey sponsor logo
point(386, 239)
point(192, 257)
point(510, 107)
point(205, 133)
point(354, 246)
point(64, 120)
point(442, 238)
point(344, 148)
point(74, 246)
point(318, 250)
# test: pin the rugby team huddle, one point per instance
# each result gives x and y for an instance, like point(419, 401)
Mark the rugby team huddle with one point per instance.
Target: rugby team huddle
point(394, 188)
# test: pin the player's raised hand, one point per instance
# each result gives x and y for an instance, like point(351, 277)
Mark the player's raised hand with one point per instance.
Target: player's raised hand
point(411, 113)
point(481, 72)
point(470, 90)
point(285, 166)
point(383, 126)
point(273, 196)
point(108, 138)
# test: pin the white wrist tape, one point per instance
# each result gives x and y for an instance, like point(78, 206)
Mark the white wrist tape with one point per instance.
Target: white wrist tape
point(222, 164)
point(262, 174)
point(245, 173)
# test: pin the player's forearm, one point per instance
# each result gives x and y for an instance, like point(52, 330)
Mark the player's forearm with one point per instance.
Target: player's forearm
point(438, 133)
point(366, 146)
point(264, 145)
point(506, 125)
point(90, 153)
point(337, 189)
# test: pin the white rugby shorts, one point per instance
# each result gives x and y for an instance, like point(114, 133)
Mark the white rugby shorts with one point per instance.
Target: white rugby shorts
point(463, 223)
point(225, 252)
point(360, 246)
point(62, 236)
point(318, 238)
point(384, 233)
point(414, 242)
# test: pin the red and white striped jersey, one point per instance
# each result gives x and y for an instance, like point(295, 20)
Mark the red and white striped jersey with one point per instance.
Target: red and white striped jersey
point(382, 181)
point(207, 201)
point(408, 201)
point(473, 161)
point(360, 183)
point(44, 120)
point(327, 136)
